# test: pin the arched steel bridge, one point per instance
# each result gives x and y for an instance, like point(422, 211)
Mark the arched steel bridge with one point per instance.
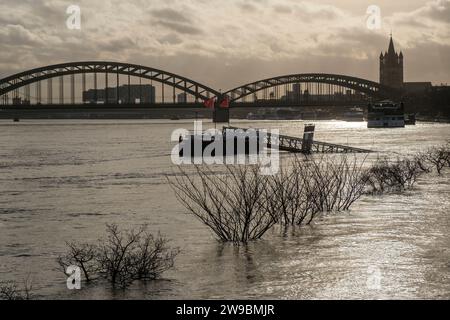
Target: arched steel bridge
point(369, 88)
point(197, 90)
point(25, 78)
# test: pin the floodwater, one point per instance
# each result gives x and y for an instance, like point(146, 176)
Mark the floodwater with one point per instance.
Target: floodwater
point(64, 180)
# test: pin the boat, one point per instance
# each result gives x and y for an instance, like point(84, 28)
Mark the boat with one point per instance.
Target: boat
point(354, 114)
point(410, 120)
point(255, 116)
point(386, 114)
point(286, 114)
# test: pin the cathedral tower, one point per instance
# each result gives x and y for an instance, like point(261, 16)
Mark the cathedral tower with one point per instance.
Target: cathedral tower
point(391, 67)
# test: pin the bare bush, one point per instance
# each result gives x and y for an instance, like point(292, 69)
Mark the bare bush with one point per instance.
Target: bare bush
point(126, 256)
point(336, 183)
point(314, 185)
point(395, 175)
point(82, 255)
point(421, 161)
point(9, 290)
point(411, 172)
point(233, 205)
point(439, 157)
point(122, 257)
point(241, 205)
point(285, 196)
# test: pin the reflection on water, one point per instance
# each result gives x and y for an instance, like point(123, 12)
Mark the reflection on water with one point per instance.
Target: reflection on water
point(63, 180)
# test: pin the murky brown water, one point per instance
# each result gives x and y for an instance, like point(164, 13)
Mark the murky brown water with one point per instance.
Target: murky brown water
point(63, 180)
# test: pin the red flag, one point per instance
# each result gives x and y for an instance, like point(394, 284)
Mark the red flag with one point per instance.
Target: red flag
point(225, 103)
point(209, 103)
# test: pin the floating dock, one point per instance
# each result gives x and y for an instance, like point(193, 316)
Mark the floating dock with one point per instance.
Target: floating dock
point(305, 145)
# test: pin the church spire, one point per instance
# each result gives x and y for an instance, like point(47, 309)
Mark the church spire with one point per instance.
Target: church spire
point(391, 50)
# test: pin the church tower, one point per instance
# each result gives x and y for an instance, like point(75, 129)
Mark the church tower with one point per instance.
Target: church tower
point(391, 67)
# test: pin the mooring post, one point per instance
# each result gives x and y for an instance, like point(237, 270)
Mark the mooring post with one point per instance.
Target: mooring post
point(308, 138)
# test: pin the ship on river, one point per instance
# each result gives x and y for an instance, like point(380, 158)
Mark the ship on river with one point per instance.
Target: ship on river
point(386, 114)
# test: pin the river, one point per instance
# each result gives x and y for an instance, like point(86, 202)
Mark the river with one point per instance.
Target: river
point(63, 180)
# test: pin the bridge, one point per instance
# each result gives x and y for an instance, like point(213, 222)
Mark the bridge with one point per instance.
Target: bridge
point(103, 84)
point(325, 85)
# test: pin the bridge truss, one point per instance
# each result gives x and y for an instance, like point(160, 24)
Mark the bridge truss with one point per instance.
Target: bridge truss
point(19, 85)
point(309, 86)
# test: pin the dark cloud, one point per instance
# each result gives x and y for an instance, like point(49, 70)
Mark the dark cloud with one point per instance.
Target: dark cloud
point(411, 23)
point(308, 12)
point(170, 38)
point(248, 8)
point(279, 8)
point(123, 43)
point(175, 21)
point(14, 34)
point(170, 15)
point(180, 27)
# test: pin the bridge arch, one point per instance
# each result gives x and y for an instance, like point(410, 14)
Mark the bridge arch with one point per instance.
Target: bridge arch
point(369, 88)
point(16, 81)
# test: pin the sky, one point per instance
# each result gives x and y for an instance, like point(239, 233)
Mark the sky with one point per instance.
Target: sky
point(226, 43)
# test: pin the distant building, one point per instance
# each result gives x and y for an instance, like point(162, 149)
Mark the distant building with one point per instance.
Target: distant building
point(417, 87)
point(391, 67)
point(127, 94)
point(16, 101)
point(182, 97)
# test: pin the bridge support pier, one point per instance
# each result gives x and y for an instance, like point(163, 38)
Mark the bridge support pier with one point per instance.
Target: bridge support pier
point(221, 115)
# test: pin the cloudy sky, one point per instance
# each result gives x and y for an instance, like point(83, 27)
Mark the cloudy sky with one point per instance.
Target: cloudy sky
point(224, 43)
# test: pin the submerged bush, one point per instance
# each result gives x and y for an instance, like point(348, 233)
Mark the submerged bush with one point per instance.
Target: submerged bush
point(314, 185)
point(242, 205)
point(394, 175)
point(438, 157)
point(233, 205)
point(9, 290)
point(122, 257)
point(81, 255)
point(388, 175)
point(286, 196)
point(125, 256)
point(336, 183)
